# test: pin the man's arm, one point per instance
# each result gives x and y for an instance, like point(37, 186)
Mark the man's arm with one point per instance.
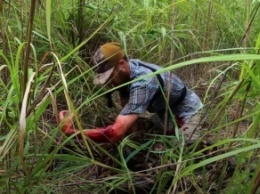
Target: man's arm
point(111, 133)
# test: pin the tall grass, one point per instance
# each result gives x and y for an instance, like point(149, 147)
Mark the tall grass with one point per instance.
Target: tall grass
point(46, 67)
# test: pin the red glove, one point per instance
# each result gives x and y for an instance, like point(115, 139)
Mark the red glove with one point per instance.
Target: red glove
point(180, 121)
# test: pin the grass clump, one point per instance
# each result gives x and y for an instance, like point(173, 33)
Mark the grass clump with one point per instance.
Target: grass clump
point(45, 66)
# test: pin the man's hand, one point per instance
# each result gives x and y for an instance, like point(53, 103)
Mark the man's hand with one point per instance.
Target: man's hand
point(67, 122)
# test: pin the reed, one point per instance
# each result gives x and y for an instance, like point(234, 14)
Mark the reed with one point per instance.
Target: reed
point(45, 66)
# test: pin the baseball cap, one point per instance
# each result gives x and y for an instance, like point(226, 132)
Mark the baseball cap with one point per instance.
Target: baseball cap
point(106, 58)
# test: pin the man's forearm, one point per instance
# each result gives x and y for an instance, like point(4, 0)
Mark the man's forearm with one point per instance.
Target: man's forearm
point(111, 133)
point(103, 134)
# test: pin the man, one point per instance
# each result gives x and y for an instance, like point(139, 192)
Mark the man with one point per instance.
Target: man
point(164, 94)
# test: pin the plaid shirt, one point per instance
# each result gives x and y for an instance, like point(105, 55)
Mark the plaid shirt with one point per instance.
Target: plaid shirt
point(142, 91)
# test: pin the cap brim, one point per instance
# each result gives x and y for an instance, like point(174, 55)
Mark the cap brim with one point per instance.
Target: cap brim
point(101, 78)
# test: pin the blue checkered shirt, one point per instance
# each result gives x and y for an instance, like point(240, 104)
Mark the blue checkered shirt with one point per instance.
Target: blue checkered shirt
point(142, 91)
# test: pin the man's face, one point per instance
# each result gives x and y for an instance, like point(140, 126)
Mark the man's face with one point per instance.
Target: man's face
point(114, 79)
point(120, 74)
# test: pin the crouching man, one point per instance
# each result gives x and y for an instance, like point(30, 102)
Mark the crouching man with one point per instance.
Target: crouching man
point(160, 93)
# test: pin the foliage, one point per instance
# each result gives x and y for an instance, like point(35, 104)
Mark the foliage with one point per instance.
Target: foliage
point(45, 58)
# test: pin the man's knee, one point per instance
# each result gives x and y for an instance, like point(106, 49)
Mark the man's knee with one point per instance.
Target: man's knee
point(191, 131)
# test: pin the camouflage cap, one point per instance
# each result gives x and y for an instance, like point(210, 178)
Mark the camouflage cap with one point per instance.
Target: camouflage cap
point(106, 58)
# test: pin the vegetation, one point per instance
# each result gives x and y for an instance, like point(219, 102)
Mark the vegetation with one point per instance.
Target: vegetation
point(45, 67)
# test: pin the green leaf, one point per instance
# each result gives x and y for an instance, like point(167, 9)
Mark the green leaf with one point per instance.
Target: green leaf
point(48, 18)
